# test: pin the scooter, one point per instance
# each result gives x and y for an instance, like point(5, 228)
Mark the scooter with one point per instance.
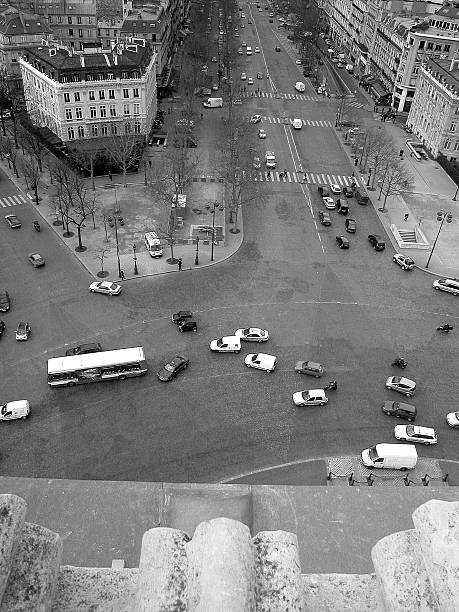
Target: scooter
point(400, 363)
point(332, 386)
point(446, 328)
point(36, 226)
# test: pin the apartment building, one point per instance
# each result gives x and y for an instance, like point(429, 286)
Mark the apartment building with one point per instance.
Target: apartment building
point(91, 94)
point(434, 114)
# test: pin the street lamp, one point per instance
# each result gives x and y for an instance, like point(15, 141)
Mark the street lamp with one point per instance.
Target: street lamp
point(441, 216)
point(196, 259)
point(212, 211)
point(117, 246)
point(136, 271)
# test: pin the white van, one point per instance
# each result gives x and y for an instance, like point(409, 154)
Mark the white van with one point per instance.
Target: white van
point(391, 456)
point(350, 68)
point(270, 159)
point(153, 244)
point(227, 344)
point(213, 103)
point(300, 86)
point(20, 409)
point(248, 51)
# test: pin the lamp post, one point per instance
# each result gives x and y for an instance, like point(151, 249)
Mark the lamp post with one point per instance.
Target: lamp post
point(136, 271)
point(213, 210)
point(441, 216)
point(196, 258)
point(117, 246)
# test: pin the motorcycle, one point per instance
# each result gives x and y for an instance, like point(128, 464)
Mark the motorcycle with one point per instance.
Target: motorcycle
point(400, 363)
point(332, 386)
point(446, 328)
point(2, 328)
point(36, 226)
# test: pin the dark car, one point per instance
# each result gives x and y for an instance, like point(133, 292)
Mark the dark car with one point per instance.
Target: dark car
point(309, 367)
point(185, 326)
point(324, 217)
point(2, 328)
point(278, 48)
point(83, 349)
point(271, 21)
point(343, 242)
point(323, 192)
point(172, 368)
point(351, 226)
point(400, 410)
point(4, 301)
point(181, 315)
point(376, 242)
point(348, 192)
point(342, 207)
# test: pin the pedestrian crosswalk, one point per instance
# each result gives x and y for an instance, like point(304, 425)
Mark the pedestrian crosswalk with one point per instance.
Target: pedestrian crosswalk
point(13, 200)
point(311, 178)
point(306, 122)
point(279, 96)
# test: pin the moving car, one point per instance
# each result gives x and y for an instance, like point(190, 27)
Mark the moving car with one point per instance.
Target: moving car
point(343, 242)
point(405, 262)
point(323, 191)
point(257, 50)
point(278, 49)
point(342, 206)
point(181, 315)
point(415, 433)
point(447, 284)
point(105, 287)
point(256, 162)
point(259, 75)
point(13, 221)
point(298, 62)
point(23, 331)
point(335, 189)
point(36, 260)
point(351, 226)
point(252, 334)
point(401, 385)
point(250, 81)
point(227, 344)
point(452, 418)
point(393, 456)
point(172, 368)
point(324, 217)
point(297, 124)
point(243, 76)
point(261, 361)
point(255, 119)
point(240, 51)
point(309, 367)
point(329, 203)
point(311, 397)
point(300, 86)
point(261, 133)
point(185, 326)
point(400, 410)
point(2, 327)
point(19, 409)
point(5, 302)
point(376, 242)
point(84, 349)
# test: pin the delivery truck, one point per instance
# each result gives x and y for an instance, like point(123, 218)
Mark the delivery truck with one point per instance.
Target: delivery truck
point(213, 103)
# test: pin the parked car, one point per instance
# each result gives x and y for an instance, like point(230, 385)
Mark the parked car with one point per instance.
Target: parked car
point(335, 189)
point(2, 327)
point(36, 260)
point(250, 81)
point(252, 334)
point(343, 242)
point(172, 368)
point(256, 162)
point(376, 242)
point(5, 301)
point(18, 409)
point(105, 287)
point(312, 368)
point(324, 217)
point(257, 49)
point(23, 331)
point(311, 397)
point(297, 124)
point(400, 410)
point(361, 198)
point(227, 344)
point(261, 361)
point(13, 221)
point(185, 325)
point(401, 385)
point(243, 76)
point(415, 433)
point(329, 203)
point(83, 349)
point(278, 49)
point(350, 225)
point(452, 418)
point(342, 206)
point(450, 285)
point(181, 315)
point(407, 129)
point(255, 118)
point(405, 262)
point(323, 191)
point(261, 133)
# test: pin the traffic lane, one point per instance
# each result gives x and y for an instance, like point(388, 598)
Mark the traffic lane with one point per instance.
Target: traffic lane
point(321, 151)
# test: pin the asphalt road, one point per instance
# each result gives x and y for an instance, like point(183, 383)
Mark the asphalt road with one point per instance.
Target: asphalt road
point(352, 311)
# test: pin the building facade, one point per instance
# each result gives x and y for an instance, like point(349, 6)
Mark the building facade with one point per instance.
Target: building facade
point(90, 95)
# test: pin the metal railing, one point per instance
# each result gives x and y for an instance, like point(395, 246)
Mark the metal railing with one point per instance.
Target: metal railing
point(369, 480)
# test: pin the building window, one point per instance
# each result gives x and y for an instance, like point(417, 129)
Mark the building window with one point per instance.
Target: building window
point(107, 32)
point(94, 130)
point(92, 95)
point(92, 112)
point(453, 126)
point(59, 19)
point(112, 110)
point(447, 48)
point(66, 97)
point(136, 109)
point(71, 133)
point(127, 128)
point(80, 33)
point(447, 143)
point(101, 94)
point(76, 96)
point(125, 93)
point(111, 94)
point(79, 20)
point(422, 44)
point(109, 77)
point(126, 110)
point(80, 131)
point(78, 113)
point(456, 145)
point(104, 130)
point(71, 33)
point(103, 111)
point(135, 92)
point(69, 20)
point(114, 129)
point(68, 114)
point(137, 127)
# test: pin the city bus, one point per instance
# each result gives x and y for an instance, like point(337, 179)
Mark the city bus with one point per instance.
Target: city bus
point(96, 367)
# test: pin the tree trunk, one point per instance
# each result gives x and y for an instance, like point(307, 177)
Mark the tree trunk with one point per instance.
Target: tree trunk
point(80, 244)
point(92, 175)
point(40, 165)
point(124, 174)
point(35, 189)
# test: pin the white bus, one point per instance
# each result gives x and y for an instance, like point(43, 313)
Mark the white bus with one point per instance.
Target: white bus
point(96, 367)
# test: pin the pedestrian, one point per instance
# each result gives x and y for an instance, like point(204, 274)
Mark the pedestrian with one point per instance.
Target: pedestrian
point(122, 275)
point(353, 174)
point(304, 177)
point(268, 175)
point(180, 263)
point(405, 218)
point(401, 153)
point(202, 116)
point(110, 175)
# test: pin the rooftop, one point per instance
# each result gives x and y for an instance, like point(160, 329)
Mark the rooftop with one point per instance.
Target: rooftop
point(445, 71)
point(15, 23)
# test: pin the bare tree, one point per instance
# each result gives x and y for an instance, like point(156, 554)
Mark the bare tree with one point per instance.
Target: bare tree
point(124, 149)
point(393, 179)
point(103, 252)
point(33, 145)
point(32, 175)
point(83, 155)
point(369, 143)
point(82, 204)
point(10, 152)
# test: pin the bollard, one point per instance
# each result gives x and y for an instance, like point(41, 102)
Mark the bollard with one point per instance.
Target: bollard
point(406, 480)
point(350, 479)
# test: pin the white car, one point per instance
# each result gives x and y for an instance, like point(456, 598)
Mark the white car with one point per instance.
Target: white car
point(335, 189)
point(402, 385)
point(243, 77)
point(329, 203)
point(453, 419)
point(405, 262)
point(299, 86)
point(255, 119)
point(448, 284)
point(227, 344)
point(261, 133)
point(261, 361)
point(257, 50)
point(311, 397)
point(105, 287)
point(298, 62)
point(250, 81)
point(415, 433)
point(240, 51)
point(256, 163)
point(297, 124)
point(252, 334)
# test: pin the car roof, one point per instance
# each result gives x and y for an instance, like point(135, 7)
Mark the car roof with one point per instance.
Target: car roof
point(316, 392)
